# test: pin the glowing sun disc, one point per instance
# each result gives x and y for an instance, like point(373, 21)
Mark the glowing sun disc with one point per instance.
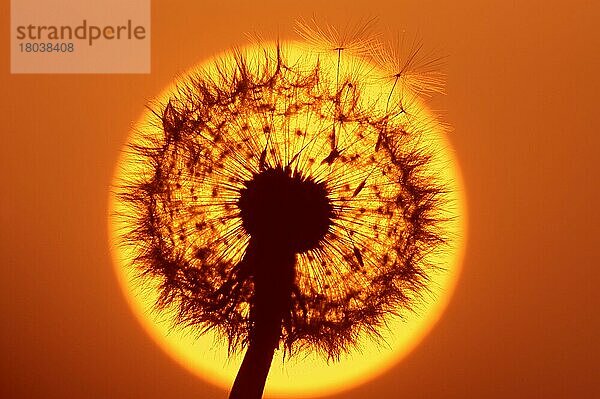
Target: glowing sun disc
point(301, 376)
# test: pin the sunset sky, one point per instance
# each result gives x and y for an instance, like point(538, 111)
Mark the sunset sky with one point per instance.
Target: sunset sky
point(521, 99)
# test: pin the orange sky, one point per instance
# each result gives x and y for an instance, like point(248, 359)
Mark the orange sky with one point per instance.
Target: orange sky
point(522, 90)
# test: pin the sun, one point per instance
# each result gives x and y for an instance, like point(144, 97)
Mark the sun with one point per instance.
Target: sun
point(306, 375)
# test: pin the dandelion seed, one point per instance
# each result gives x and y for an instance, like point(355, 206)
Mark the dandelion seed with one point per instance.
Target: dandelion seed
point(409, 66)
point(358, 39)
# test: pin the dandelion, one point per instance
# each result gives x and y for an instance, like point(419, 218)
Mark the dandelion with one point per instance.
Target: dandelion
point(285, 202)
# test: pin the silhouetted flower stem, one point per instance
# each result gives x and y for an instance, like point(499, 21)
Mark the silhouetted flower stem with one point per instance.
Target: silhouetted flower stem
point(272, 273)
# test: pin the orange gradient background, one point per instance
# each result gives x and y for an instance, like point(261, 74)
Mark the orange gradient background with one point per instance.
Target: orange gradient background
point(522, 99)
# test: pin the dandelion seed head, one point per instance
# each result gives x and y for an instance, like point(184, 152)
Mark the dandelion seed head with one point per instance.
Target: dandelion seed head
point(302, 123)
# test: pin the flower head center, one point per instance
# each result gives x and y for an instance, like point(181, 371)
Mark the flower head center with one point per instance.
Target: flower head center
point(286, 209)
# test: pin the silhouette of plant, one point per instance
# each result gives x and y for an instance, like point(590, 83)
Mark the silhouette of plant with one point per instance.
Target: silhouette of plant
point(284, 204)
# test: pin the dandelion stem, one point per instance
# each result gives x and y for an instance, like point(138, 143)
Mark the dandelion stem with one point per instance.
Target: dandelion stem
point(272, 268)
